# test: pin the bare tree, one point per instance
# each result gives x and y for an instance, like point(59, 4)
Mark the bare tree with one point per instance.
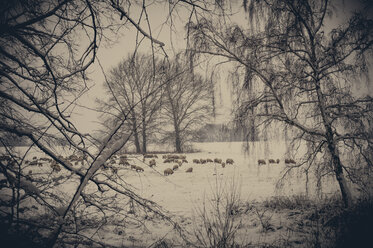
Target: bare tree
point(45, 50)
point(299, 72)
point(136, 85)
point(187, 101)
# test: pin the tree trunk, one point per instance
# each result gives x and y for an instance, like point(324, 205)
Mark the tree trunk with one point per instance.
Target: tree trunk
point(337, 164)
point(177, 137)
point(137, 142)
point(178, 142)
point(252, 127)
point(136, 135)
point(143, 136)
point(213, 99)
point(338, 170)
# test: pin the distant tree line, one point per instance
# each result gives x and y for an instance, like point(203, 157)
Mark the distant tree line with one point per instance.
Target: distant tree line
point(224, 133)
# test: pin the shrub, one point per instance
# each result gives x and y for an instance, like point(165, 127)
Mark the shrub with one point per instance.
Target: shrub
point(288, 202)
point(219, 216)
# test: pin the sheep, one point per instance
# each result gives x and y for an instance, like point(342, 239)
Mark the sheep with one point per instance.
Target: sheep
point(289, 161)
point(189, 170)
point(105, 167)
point(152, 163)
point(169, 160)
point(277, 161)
point(185, 161)
point(150, 156)
point(133, 166)
point(175, 167)
point(175, 156)
point(35, 162)
point(125, 163)
point(55, 166)
point(179, 163)
point(217, 160)
point(223, 165)
point(271, 161)
point(172, 156)
point(73, 157)
point(34, 158)
point(229, 161)
point(196, 161)
point(85, 156)
point(209, 160)
point(203, 161)
point(138, 168)
point(4, 157)
point(168, 171)
point(261, 162)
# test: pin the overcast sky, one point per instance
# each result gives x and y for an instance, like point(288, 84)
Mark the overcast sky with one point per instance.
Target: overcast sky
point(174, 38)
point(110, 55)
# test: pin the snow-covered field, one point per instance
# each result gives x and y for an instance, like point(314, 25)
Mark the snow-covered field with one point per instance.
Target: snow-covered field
point(182, 193)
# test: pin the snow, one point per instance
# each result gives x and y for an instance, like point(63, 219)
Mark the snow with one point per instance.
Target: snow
point(182, 194)
point(181, 191)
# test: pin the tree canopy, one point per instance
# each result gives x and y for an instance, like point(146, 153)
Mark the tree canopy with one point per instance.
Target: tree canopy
point(299, 70)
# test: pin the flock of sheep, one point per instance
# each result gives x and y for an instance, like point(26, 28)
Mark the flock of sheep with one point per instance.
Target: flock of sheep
point(277, 161)
point(177, 160)
point(123, 160)
point(181, 159)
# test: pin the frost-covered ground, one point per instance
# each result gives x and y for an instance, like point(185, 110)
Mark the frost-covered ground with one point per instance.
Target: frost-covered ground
point(183, 194)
